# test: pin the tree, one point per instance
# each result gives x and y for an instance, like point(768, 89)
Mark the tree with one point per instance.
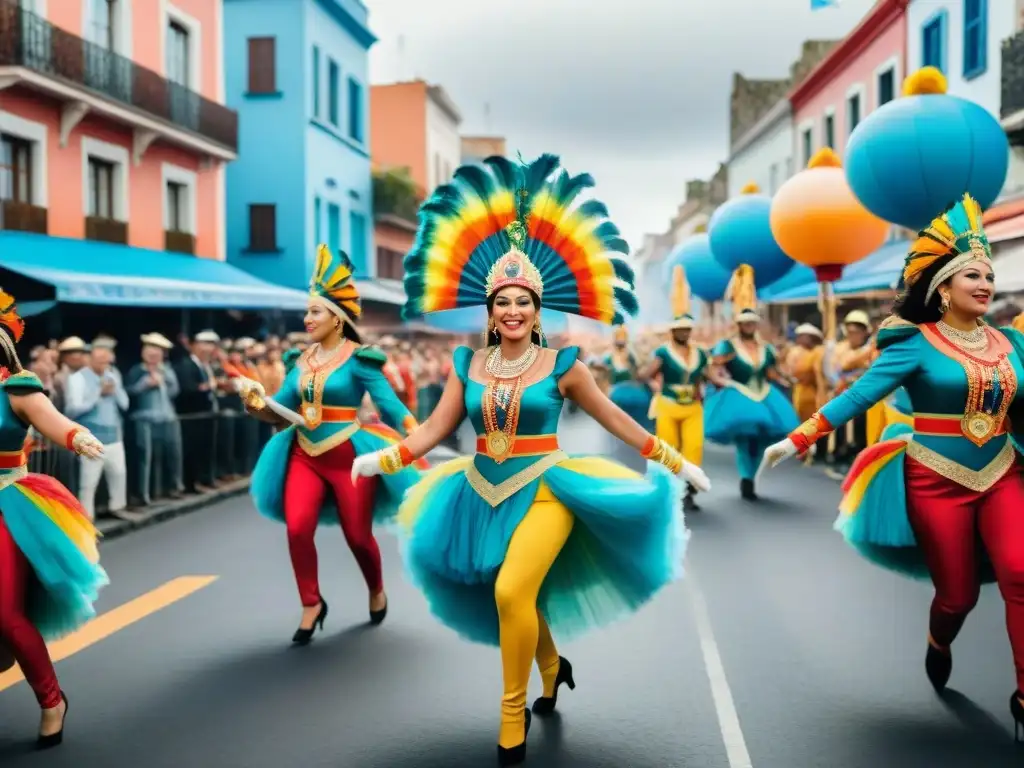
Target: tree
point(395, 193)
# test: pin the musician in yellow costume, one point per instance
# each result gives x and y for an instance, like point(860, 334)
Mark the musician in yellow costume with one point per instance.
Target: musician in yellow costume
point(681, 366)
point(849, 361)
point(520, 544)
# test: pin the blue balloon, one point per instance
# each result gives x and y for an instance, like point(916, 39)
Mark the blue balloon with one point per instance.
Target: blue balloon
point(910, 159)
point(707, 278)
point(741, 233)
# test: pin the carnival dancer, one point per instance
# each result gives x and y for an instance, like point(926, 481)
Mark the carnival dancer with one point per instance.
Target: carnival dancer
point(627, 390)
point(521, 543)
point(745, 409)
point(917, 504)
point(680, 366)
point(303, 477)
point(50, 574)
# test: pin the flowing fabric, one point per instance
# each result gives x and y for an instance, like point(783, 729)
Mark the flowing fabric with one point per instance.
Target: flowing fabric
point(730, 414)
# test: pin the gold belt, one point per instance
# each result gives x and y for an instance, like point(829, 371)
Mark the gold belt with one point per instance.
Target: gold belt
point(323, 446)
point(977, 480)
point(495, 494)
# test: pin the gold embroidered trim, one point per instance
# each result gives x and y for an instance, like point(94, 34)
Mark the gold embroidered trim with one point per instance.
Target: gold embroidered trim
point(756, 395)
point(311, 448)
point(315, 378)
point(16, 474)
point(977, 480)
point(495, 494)
point(741, 352)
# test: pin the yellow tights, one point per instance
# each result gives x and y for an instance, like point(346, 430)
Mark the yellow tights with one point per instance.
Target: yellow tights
point(682, 427)
point(524, 634)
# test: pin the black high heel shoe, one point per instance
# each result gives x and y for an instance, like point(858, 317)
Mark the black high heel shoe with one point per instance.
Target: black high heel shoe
point(55, 739)
point(517, 754)
point(1017, 710)
point(377, 617)
point(546, 705)
point(303, 636)
point(938, 665)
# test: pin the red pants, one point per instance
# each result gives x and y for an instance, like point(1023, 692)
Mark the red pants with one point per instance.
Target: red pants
point(308, 480)
point(16, 631)
point(947, 518)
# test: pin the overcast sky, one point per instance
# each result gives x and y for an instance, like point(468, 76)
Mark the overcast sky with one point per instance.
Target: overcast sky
point(637, 95)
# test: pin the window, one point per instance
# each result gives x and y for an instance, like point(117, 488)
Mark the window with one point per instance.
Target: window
point(333, 75)
point(808, 142)
point(389, 264)
point(853, 112)
point(355, 111)
point(15, 169)
point(178, 63)
point(177, 200)
point(100, 23)
point(316, 220)
point(789, 167)
point(262, 228)
point(933, 42)
point(101, 189)
point(773, 178)
point(886, 86)
point(357, 224)
point(262, 65)
point(975, 37)
point(316, 81)
point(829, 129)
point(333, 227)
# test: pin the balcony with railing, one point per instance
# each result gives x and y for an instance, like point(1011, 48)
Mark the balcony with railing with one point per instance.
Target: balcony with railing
point(106, 230)
point(179, 242)
point(1012, 108)
point(23, 217)
point(39, 55)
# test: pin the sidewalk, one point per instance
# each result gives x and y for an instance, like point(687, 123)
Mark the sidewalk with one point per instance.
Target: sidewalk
point(112, 528)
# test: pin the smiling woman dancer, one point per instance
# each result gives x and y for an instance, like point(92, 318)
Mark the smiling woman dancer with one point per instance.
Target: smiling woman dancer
point(49, 564)
point(520, 542)
point(299, 465)
point(916, 503)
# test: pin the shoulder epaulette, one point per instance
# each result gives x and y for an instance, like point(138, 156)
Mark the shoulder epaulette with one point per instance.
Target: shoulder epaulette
point(371, 353)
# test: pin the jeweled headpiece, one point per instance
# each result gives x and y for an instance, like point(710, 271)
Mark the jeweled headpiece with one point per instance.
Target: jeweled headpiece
point(681, 318)
point(504, 223)
point(334, 286)
point(958, 233)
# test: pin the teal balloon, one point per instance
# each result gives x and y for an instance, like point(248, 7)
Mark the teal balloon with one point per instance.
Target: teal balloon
point(741, 233)
point(707, 278)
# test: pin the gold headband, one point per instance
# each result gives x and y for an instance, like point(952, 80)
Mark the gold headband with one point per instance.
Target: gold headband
point(978, 252)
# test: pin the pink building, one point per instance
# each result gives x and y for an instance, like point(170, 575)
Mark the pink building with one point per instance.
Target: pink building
point(112, 122)
point(860, 74)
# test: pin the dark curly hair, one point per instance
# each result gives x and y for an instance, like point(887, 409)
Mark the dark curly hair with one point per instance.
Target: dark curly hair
point(910, 303)
point(494, 338)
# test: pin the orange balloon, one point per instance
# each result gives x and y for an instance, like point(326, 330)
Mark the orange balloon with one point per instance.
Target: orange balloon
point(817, 220)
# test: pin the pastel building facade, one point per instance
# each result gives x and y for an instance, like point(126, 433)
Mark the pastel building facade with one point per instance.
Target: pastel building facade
point(764, 154)
point(297, 72)
point(112, 123)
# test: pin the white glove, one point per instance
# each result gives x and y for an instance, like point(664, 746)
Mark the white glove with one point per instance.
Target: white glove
point(776, 454)
point(367, 465)
point(695, 476)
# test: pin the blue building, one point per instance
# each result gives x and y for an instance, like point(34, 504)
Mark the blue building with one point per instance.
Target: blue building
point(297, 73)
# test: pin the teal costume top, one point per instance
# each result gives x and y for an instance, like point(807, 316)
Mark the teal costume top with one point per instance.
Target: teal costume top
point(963, 442)
point(748, 373)
point(619, 375)
point(681, 378)
point(49, 527)
point(328, 398)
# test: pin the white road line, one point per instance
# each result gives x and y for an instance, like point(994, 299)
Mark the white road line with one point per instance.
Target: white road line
point(728, 720)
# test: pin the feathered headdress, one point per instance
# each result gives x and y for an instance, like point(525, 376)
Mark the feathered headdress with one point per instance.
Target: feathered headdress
point(9, 317)
point(620, 335)
point(332, 283)
point(681, 317)
point(957, 233)
point(742, 293)
point(503, 223)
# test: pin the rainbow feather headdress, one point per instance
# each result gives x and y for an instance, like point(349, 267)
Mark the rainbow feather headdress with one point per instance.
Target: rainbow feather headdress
point(681, 318)
point(505, 223)
point(333, 285)
point(13, 327)
point(958, 233)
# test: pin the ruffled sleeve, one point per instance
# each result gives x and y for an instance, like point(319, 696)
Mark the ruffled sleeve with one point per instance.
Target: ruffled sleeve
point(23, 383)
point(461, 358)
point(564, 360)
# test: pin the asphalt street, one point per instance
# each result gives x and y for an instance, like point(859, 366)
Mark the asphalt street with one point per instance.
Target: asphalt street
point(781, 649)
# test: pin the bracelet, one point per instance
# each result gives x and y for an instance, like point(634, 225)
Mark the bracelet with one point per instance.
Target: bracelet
point(659, 451)
point(808, 433)
point(81, 439)
point(69, 438)
point(395, 458)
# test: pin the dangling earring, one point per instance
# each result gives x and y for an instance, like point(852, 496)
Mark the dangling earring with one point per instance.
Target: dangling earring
point(944, 306)
point(538, 330)
point(491, 333)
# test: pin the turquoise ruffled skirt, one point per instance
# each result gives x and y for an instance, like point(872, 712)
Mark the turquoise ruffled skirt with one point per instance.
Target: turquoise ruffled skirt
point(628, 541)
point(268, 477)
point(730, 415)
point(52, 531)
point(635, 399)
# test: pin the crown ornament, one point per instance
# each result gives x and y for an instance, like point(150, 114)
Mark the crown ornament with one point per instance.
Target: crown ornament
point(514, 267)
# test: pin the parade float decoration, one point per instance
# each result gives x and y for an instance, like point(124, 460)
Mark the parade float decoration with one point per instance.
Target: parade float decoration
point(741, 233)
point(909, 159)
point(818, 222)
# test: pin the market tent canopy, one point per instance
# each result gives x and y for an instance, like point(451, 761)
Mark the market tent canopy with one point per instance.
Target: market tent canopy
point(90, 272)
point(879, 271)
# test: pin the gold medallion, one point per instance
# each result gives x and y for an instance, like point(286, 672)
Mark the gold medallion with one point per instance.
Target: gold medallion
point(498, 445)
point(978, 427)
point(311, 414)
